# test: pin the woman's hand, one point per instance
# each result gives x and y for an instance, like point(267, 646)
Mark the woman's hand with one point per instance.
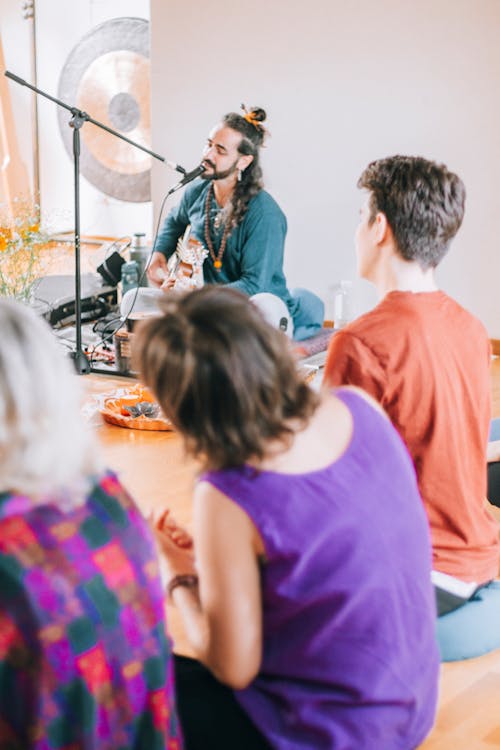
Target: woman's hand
point(176, 545)
point(222, 616)
point(169, 526)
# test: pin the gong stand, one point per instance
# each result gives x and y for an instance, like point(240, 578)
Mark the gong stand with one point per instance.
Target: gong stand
point(78, 119)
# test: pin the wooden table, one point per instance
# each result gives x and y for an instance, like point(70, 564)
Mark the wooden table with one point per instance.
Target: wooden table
point(151, 465)
point(155, 470)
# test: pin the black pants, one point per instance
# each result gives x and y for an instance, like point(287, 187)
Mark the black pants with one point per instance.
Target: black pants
point(494, 483)
point(211, 717)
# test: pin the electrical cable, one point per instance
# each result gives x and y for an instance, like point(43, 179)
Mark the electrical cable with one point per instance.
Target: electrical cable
point(123, 320)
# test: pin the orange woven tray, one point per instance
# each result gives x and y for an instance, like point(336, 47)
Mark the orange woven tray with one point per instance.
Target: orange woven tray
point(113, 410)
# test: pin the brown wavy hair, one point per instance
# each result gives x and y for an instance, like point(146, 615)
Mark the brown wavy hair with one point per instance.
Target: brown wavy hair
point(252, 138)
point(225, 378)
point(423, 202)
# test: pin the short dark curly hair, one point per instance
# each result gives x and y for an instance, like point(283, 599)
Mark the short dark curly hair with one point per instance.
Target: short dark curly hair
point(423, 202)
point(225, 378)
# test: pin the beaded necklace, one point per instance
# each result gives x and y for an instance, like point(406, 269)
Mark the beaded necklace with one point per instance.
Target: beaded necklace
point(216, 259)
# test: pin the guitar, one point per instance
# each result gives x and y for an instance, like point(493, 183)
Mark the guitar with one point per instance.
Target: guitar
point(185, 265)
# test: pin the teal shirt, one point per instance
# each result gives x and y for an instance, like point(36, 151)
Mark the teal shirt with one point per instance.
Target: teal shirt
point(253, 258)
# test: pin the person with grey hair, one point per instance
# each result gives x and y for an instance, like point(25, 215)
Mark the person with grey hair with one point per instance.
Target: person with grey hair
point(84, 658)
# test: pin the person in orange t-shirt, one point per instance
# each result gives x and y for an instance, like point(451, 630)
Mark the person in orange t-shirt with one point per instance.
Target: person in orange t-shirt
point(427, 361)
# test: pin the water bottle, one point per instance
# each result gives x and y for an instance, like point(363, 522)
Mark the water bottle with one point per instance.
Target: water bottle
point(130, 276)
point(341, 297)
point(140, 253)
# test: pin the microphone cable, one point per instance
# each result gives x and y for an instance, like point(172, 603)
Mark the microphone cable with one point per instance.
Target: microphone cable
point(122, 320)
point(188, 177)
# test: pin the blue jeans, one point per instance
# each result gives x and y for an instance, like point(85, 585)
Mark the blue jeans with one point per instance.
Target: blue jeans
point(474, 628)
point(310, 314)
point(495, 429)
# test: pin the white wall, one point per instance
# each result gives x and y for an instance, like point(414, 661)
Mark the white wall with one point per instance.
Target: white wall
point(60, 25)
point(15, 33)
point(343, 83)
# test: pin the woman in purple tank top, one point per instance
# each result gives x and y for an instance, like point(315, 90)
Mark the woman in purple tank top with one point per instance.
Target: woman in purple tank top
point(306, 593)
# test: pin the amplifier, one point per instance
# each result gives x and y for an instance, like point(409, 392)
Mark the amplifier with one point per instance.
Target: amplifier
point(54, 298)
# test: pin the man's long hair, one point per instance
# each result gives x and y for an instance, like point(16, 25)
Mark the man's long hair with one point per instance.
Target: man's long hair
point(251, 182)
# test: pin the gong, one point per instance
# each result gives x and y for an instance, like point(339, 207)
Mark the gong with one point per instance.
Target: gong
point(107, 76)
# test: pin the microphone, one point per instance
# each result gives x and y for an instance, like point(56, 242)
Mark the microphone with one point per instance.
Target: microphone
point(175, 166)
point(188, 177)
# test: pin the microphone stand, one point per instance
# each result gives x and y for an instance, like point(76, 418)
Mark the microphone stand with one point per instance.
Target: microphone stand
point(78, 119)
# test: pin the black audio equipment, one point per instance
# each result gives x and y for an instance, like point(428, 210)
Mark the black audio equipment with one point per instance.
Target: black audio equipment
point(54, 299)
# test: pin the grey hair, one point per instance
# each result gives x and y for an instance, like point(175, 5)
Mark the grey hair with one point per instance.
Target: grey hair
point(45, 448)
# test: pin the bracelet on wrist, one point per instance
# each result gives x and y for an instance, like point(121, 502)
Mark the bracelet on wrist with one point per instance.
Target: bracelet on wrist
point(188, 580)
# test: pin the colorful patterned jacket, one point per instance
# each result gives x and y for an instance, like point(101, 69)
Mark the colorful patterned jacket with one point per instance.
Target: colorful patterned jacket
point(85, 662)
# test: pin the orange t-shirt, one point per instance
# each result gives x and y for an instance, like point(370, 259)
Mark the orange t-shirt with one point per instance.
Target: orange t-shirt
point(427, 361)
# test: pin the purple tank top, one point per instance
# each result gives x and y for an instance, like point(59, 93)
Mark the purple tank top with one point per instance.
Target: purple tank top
point(350, 660)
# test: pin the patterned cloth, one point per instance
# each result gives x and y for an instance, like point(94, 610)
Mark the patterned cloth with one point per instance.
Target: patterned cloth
point(84, 658)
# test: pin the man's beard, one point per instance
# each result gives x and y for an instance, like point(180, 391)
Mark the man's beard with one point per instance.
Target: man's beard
point(219, 175)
